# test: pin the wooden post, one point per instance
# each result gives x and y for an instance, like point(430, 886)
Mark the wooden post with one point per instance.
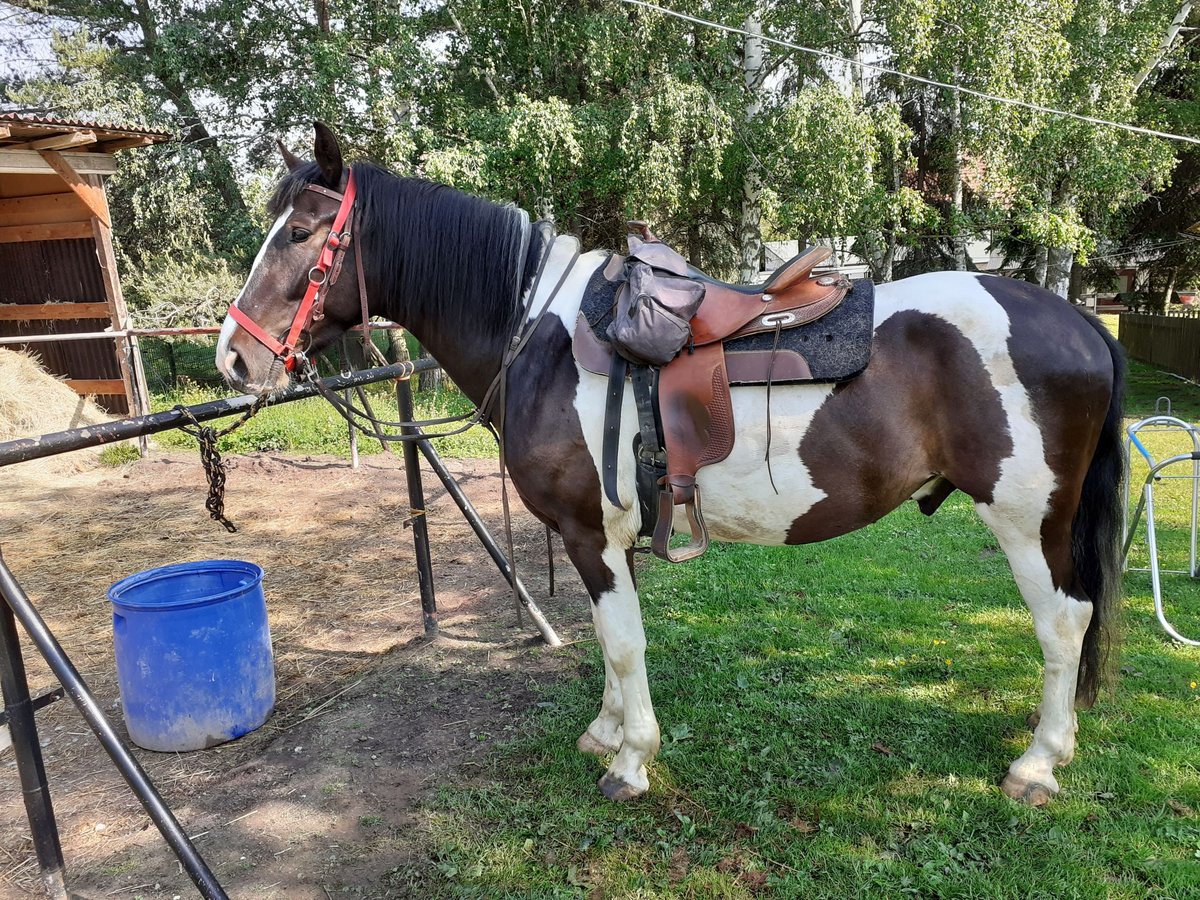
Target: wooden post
point(132, 371)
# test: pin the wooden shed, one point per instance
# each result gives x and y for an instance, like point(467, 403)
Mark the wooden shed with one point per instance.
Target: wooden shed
point(58, 273)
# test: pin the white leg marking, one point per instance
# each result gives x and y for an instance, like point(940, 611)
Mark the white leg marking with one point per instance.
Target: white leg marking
point(618, 619)
point(1059, 622)
point(605, 733)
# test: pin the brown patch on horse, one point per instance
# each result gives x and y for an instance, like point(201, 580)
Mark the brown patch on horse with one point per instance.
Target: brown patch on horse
point(861, 449)
point(1069, 381)
point(544, 443)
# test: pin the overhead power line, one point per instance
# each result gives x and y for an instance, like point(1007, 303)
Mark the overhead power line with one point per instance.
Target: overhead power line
point(1036, 107)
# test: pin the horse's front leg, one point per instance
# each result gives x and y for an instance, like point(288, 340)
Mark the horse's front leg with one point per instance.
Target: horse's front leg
point(626, 722)
point(605, 733)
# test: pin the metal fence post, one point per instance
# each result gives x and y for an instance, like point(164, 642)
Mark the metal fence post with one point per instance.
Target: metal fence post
point(18, 708)
point(416, 502)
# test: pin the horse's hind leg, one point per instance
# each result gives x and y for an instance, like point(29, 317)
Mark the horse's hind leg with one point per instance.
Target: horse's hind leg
point(1060, 622)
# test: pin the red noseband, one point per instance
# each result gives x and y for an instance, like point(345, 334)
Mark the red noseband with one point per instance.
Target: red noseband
point(319, 278)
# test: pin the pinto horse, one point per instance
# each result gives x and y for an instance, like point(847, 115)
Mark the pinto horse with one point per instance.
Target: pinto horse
point(985, 385)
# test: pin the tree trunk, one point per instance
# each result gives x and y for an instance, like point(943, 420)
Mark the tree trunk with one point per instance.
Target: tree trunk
point(1041, 265)
point(889, 258)
point(956, 183)
point(1164, 48)
point(858, 75)
point(430, 380)
point(750, 233)
point(1059, 261)
point(1075, 291)
point(693, 244)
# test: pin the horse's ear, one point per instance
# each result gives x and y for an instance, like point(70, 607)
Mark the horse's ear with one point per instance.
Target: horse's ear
point(328, 155)
point(291, 160)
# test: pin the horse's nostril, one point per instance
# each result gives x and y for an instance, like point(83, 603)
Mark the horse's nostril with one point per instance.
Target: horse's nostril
point(235, 366)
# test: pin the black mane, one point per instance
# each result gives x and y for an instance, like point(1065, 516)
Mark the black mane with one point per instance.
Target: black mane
point(432, 254)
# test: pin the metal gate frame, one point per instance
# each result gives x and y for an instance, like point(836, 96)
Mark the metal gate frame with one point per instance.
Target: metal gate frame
point(19, 706)
point(1161, 423)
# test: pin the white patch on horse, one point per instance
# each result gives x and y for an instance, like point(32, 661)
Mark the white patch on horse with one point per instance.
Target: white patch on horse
point(1025, 478)
point(229, 325)
point(569, 297)
point(739, 502)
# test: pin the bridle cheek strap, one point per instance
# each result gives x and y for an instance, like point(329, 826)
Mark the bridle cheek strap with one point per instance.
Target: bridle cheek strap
point(310, 307)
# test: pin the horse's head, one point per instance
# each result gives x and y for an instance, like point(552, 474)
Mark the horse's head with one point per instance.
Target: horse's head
point(302, 291)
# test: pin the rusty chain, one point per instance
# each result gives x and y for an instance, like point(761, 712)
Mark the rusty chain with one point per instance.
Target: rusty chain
point(210, 457)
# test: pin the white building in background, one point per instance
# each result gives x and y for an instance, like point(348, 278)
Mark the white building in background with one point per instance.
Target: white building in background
point(776, 253)
point(1127, 276)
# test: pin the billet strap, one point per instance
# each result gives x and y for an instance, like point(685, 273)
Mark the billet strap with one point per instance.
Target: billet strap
point(611, 443)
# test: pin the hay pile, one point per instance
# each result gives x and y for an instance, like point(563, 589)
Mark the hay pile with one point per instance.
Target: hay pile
point(33, 402)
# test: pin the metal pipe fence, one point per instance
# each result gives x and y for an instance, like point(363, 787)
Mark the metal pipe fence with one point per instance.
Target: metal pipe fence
point(19, 707)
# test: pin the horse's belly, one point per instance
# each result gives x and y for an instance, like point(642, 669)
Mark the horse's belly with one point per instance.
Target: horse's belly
point(743, 499)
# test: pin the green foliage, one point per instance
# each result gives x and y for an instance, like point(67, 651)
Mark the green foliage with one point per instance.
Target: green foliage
point(598, 112)
point(823, 162)
point(313, 426)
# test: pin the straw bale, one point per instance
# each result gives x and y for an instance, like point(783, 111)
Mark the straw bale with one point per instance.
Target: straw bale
point(34, 402)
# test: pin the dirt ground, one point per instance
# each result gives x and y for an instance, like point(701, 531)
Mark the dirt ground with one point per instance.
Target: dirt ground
point(370, 717)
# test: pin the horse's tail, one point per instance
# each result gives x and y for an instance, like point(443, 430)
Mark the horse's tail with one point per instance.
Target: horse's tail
point(1096, 535)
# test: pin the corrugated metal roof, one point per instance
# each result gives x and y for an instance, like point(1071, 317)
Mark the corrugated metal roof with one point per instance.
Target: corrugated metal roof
point(17, 129)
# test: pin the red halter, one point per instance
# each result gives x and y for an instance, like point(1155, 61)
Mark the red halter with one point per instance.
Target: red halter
point(319, 277)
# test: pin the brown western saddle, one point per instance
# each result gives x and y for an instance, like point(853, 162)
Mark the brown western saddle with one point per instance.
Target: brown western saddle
point(677, 320)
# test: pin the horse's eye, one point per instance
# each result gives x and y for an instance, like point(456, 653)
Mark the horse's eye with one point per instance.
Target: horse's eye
point(300, 235)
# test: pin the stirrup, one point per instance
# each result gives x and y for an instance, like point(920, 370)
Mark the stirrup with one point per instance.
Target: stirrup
point(661, 542)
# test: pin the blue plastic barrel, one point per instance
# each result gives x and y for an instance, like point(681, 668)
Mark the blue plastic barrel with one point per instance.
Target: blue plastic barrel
point(193, 653)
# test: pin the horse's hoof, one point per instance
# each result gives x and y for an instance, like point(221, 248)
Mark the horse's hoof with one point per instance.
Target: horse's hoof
point(1034, 718)
point(615, 788)
point(594, 746)
point(1033, 793)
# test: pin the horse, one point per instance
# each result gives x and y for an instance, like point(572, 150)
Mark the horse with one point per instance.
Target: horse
point(981, 384)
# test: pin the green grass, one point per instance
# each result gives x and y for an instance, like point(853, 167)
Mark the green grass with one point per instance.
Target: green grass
point(314, 426)
point(835, 720)
point(306, 426)
point(1147, 384)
